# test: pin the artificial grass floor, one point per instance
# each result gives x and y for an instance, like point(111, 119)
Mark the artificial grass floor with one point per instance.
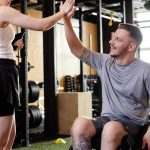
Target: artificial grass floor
point(47, 145)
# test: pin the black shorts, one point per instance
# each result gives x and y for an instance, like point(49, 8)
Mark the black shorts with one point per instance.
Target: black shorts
point(9, 87)
point(131, 127)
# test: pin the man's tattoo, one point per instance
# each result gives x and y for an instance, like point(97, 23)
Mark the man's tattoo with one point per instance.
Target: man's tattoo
point(84, 143)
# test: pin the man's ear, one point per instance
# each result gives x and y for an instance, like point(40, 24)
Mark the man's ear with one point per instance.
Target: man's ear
point(132, 46)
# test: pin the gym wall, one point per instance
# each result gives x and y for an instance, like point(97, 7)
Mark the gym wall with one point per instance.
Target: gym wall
point(67, 63)
point(35, 50)
point(90, 41)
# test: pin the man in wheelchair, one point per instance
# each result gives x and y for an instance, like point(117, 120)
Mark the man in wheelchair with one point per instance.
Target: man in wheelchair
point(125, 91)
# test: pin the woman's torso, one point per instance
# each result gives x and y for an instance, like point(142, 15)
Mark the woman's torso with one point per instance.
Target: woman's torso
point(7, 35)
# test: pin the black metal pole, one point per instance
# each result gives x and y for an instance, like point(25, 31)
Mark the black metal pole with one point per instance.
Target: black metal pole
point(24, 83)
point(123, 10)
point(99, 26)
point(129, 11)
point(50, 84)
point(80, 36)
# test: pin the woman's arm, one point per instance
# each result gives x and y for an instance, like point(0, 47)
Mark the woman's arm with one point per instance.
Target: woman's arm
point(10, 15)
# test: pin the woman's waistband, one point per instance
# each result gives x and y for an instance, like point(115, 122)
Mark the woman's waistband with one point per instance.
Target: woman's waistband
point(7, 61)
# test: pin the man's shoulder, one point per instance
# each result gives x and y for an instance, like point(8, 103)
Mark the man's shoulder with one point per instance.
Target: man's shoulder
point(143, 63)
point(107, 56)
point(144, 66)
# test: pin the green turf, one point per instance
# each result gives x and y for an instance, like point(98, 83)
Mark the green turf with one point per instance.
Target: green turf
point(47, 145)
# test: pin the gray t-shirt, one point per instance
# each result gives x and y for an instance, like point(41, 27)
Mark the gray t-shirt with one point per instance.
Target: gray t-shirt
point(125, 88)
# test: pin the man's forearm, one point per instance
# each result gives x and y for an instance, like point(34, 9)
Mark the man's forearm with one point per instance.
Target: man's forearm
point(73, 41)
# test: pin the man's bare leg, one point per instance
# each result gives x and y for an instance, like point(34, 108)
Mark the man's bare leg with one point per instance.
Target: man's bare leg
point(82, 131)
point(112, 135)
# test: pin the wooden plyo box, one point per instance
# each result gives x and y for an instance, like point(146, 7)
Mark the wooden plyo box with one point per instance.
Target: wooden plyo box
point(71, 105)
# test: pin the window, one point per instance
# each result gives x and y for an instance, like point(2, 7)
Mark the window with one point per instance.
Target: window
point(144, 24)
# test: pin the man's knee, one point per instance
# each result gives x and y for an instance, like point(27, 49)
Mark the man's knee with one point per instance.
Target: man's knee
point(113, 131)
point(82, 126)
